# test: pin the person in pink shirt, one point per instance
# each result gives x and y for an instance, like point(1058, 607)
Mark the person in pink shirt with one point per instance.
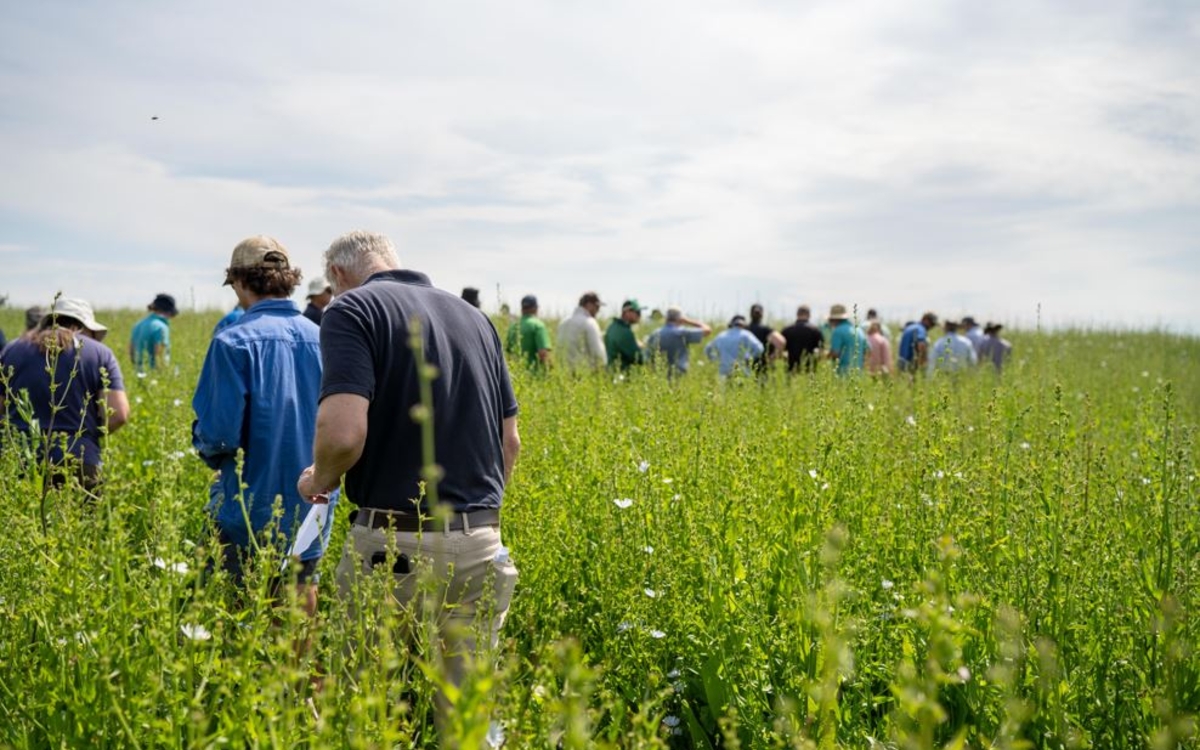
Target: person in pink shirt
point(879, 357)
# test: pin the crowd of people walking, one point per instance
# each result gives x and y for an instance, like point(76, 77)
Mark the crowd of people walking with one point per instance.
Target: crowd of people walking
point(752, 346)
point(291, 406)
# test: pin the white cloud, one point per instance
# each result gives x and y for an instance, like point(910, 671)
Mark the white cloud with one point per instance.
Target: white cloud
point(703, 153)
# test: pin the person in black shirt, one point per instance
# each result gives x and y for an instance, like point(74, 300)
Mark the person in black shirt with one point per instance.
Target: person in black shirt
point(319, 295)
point(803, 341)
point(773, 343)
point(386, 332)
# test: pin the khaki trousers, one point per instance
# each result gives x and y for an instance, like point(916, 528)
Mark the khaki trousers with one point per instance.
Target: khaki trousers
point(472, 586)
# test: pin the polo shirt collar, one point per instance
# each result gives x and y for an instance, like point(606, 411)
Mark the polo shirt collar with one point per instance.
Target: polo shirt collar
point(403, 275)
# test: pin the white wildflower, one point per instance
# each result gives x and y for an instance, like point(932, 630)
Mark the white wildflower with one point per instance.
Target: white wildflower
point(1025, 446)
point(147, 462)
point(623, 502)
point(495, 735)
point(657, 634)
point(812, 473)
point(195, 632)
point(644, 466)
point(648, 549)
point(623, 626)
point(964, 674)
point(650, 593)
point(671, 721)
point(886, 584)
point(668, 480)
point(911, 420)
point(177, 402)
point(673, 674)
point(180, 567)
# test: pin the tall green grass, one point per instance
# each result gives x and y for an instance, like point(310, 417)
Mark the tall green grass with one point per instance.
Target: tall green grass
point(808, 562)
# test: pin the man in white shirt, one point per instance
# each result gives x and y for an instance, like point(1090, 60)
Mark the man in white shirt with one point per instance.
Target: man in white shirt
point(952, 352)
point(580, 344)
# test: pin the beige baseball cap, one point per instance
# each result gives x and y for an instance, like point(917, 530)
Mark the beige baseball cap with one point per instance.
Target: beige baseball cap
point(259, 251)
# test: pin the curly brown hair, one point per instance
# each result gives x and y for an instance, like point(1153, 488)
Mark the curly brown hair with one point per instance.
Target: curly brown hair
point(266, 282)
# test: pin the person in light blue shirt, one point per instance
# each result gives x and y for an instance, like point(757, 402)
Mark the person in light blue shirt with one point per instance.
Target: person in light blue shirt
point(735, 348)
point(971, 330)
point(230, 318)
point(952, 352)
point(257, 395)
point(672, 340)
point(150, 341)
point(847, 343)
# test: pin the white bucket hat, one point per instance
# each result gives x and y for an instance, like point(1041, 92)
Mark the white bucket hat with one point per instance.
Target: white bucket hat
point(76, 309)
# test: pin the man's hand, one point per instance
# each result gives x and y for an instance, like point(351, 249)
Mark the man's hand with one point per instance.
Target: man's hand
point(308, 489)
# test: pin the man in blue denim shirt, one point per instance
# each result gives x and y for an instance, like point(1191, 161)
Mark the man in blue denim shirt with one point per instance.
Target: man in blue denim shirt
point(258, 393)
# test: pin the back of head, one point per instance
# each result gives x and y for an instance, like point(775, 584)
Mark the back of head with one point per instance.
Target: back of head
point(529, 304)
point(929, 319)
point(33, 316)
point(164, 304)
point(361, 253)
point(471, 295)
point(756, 312)
point(262, 265)
point(803, 312)
point(674, 314)
point(589, 298)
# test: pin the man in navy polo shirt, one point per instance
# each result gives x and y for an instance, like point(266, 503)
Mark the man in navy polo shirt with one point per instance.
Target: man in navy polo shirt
point(438, 511)
point(258, 394)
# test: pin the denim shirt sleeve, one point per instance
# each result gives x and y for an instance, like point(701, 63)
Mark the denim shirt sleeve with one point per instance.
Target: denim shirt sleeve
point(220, 404)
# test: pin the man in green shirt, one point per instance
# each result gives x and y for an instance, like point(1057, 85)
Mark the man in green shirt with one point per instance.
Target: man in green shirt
point(529, 337)
point(624, 350)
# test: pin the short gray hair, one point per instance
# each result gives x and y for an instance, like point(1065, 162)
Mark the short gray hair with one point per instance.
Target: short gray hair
point(359, 252)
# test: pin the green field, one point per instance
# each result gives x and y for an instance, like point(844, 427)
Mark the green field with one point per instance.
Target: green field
point(812, 562)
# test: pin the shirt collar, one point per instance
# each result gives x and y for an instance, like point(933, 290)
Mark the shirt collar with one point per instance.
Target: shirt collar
point(403, 275)
point(273, 304)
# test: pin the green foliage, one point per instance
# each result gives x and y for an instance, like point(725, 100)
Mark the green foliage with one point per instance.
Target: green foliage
point(975, 562)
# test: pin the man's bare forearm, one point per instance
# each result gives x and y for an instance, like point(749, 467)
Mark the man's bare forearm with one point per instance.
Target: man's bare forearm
point(512, 446)
point(341, 436)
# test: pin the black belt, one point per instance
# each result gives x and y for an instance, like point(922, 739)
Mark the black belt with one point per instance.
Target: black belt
point(375, 518)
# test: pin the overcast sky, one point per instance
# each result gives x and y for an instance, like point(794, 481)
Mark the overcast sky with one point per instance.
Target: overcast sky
point(965, 157)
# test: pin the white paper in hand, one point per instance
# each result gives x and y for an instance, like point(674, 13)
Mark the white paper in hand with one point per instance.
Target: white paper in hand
point(310, 531)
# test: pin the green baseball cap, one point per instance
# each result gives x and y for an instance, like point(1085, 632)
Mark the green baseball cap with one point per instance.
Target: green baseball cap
point(631, 304)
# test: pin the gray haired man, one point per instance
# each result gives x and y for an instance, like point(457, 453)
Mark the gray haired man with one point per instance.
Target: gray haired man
point(370, 431)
